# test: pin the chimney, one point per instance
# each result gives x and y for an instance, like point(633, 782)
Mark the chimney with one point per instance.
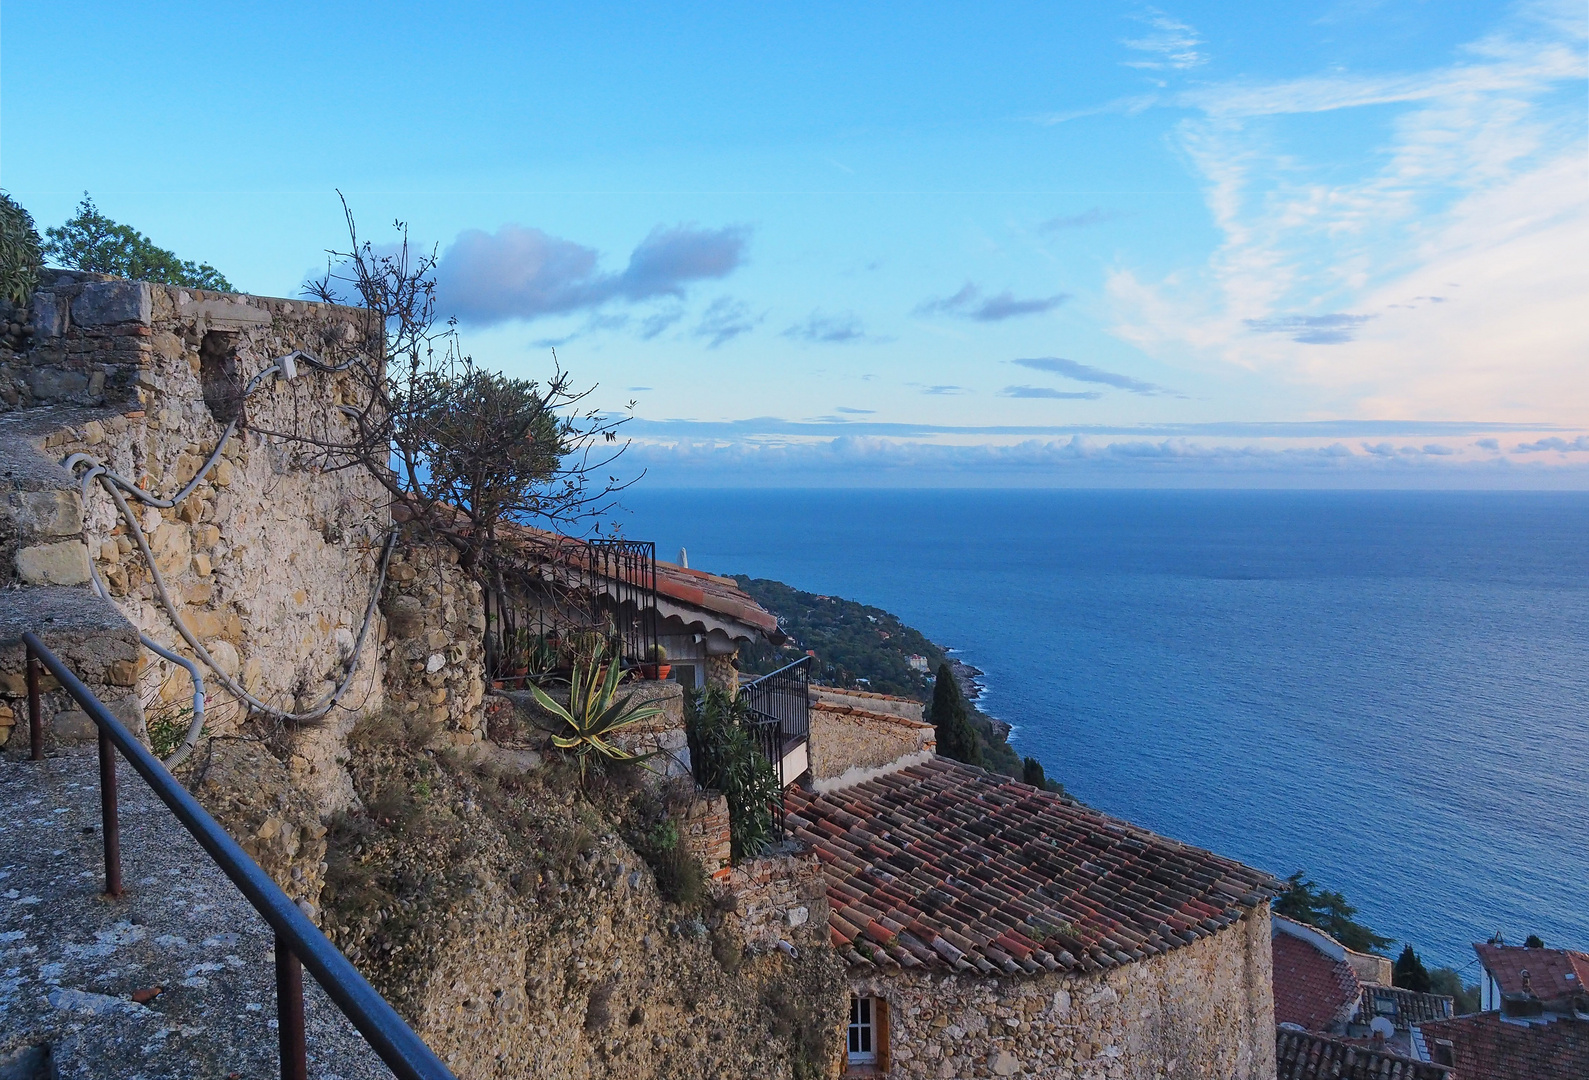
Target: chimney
point(684, 558)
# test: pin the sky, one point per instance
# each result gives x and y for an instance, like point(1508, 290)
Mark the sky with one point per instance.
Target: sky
point(1336, 244)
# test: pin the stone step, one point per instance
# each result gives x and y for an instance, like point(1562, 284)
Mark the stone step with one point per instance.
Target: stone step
point(174, 980)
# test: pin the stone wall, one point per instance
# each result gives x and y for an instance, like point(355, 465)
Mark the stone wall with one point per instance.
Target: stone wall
point(434, 648)
point(1202, 1011)
point(781, 899)
point(704, 825)
point(850, 744)
point(271, 560)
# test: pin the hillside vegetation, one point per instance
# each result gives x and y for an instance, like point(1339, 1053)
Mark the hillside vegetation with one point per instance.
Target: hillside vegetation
point(861, 647)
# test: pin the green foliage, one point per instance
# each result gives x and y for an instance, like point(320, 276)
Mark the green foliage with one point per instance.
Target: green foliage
point(1448, 981)
point(956, 739)
point(852, 641)
point(1307, 903)
point(1409, 972)
point(167, 725)
point(21, 257)
point(594, 714)
point(1534, 941)
point(680, 878)
point(92, 241)
point(726, 758)
point(861, 647)
point(1032, 773)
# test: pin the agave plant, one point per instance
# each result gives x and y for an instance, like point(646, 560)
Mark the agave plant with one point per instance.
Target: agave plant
point(594, 713)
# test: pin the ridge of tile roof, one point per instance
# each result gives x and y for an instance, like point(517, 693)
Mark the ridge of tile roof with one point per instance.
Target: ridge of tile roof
point(1311, 989)
point(1560, 975)
point(868, 714)
point(1485, 1046)
point(947, 866)
point(1303, 1055)
point(847, 692)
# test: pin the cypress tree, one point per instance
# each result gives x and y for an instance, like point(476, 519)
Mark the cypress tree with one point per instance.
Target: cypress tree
point(1032, 773)
point(1409, 972)
point(956, 738)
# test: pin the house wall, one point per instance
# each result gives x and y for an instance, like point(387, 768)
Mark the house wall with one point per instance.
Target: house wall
point(1204, 1010)
point(848, 744)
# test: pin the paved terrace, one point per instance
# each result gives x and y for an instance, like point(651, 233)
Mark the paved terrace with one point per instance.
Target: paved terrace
point(79, 972)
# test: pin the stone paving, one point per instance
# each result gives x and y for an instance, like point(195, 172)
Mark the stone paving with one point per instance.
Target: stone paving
point(174, 980)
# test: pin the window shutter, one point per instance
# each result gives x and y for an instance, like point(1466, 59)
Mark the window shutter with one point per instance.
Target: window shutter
point(880, 1033)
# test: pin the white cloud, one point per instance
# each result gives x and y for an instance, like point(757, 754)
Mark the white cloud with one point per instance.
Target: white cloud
point(1447, 277)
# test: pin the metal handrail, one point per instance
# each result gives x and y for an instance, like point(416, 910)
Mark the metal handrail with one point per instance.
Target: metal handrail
point(298, 941)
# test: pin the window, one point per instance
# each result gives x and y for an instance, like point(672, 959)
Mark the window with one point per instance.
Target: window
point(868, 1034)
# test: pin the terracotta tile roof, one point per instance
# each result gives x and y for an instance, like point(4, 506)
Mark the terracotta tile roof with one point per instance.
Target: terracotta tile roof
point(1302, 1055)
point(694, 588)
point(1486, 1047)
point(1404, 1008)
point(1554, 975)
point(1312, 990)
point(943, 865)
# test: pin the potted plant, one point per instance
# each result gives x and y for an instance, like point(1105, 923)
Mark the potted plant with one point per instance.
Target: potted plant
point(656, 665)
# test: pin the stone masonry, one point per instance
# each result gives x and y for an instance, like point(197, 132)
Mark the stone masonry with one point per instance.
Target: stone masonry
point(1203, 1011)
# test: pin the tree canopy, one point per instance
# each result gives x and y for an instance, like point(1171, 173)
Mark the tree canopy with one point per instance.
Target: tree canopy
point(91, 241)
point(1307, 903)
point(1410, 974)
point(20, 257)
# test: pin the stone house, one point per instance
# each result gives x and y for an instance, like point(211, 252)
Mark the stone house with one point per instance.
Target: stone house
point(1535, 1022)
point(993, 929)
point(1322, 986)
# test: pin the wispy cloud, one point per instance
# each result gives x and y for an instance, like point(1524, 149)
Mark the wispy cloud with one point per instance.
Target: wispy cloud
point(944, 389)
point(1336, 329)
point(724, 320)
point(519, 272)
point(969, 303)
point(1095, 216)
point(853, 412)
point(1074, 369)
point(1049, 392)
point(760, 426)
point(843, 328)
point(1471, 189)
point(1169, 44)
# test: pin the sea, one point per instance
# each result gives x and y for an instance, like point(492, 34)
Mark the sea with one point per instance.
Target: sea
point(1387, 690)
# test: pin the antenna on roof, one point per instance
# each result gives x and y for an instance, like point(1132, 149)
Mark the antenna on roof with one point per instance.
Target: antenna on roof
point(684, 558)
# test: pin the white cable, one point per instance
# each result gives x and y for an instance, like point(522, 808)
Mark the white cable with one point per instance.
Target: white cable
point(115, 484)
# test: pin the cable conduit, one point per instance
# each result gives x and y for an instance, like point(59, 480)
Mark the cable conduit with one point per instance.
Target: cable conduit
point(115, 484)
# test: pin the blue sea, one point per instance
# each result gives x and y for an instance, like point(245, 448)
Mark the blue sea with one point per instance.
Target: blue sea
point(1389, 690)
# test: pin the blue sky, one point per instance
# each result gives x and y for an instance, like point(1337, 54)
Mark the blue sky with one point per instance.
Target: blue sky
point(1199, 244)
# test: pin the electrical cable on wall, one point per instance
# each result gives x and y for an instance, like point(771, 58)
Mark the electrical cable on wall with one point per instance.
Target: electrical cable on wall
point(116, 484)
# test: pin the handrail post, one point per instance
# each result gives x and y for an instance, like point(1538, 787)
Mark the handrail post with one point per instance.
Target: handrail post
point(109, 817)
point(35, 708)
point(290, 1033)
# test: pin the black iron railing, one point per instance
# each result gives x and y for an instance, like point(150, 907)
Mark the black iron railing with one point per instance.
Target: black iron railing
point(780, 713)
point(299, 942)
point(567, 596)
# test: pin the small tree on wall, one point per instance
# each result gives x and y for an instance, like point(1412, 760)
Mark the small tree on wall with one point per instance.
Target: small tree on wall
point(461, 450)
point(956, 738)
point(92, 241)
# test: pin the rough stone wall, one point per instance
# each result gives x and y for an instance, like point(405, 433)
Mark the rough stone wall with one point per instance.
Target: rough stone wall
point(704, 825)
point(889, 704)
point(721, 673)
point(435, 648)
point(272, 559)
point(781, 898)
point(844, 738)
point(521, 937)
point(1203, 1011)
